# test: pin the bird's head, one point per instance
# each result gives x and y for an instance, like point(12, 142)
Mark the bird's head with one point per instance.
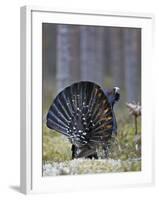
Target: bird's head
point(116, 93)
point(113, 95)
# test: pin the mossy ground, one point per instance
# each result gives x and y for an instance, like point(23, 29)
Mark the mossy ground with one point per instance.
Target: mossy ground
point(88, 166)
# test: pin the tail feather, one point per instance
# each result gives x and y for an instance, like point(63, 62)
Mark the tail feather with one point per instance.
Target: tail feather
point(83, 113)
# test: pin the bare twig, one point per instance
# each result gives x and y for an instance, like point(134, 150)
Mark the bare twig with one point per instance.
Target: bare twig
point(135, 110)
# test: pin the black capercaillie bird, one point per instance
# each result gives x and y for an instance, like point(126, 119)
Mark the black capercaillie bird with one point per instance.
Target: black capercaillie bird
point(84, 113)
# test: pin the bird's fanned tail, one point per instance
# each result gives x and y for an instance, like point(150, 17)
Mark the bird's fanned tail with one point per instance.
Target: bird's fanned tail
point(83, 113)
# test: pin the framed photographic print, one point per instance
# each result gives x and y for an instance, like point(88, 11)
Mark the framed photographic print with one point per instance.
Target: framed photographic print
point(86, 117)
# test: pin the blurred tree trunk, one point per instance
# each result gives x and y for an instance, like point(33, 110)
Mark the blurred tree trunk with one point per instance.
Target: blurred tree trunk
point(92, 54)
point(106, 56)
point(48, 61)
point(132, 61)
point(139, 65)
point(75, 54)
point(67, 55)
point(116, 57)
point(63, 56)
point(100, 56)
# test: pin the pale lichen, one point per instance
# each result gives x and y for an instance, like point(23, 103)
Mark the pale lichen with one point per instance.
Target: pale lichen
point(88, 166)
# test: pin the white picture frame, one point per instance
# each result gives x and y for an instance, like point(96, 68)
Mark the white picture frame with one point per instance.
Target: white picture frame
point(31, 100)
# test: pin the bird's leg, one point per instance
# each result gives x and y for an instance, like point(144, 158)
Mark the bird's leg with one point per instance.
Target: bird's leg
point(74, 149)
point(106, 151)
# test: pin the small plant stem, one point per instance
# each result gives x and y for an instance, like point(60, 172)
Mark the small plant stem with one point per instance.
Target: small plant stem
point(135, 117)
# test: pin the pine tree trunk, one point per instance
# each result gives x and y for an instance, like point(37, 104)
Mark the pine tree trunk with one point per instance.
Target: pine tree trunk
point(99, 56)
point(116, 56)
point(67, 55)
point(75, 54)
point(132, 61)
point(63, 56)
point(91, 48)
